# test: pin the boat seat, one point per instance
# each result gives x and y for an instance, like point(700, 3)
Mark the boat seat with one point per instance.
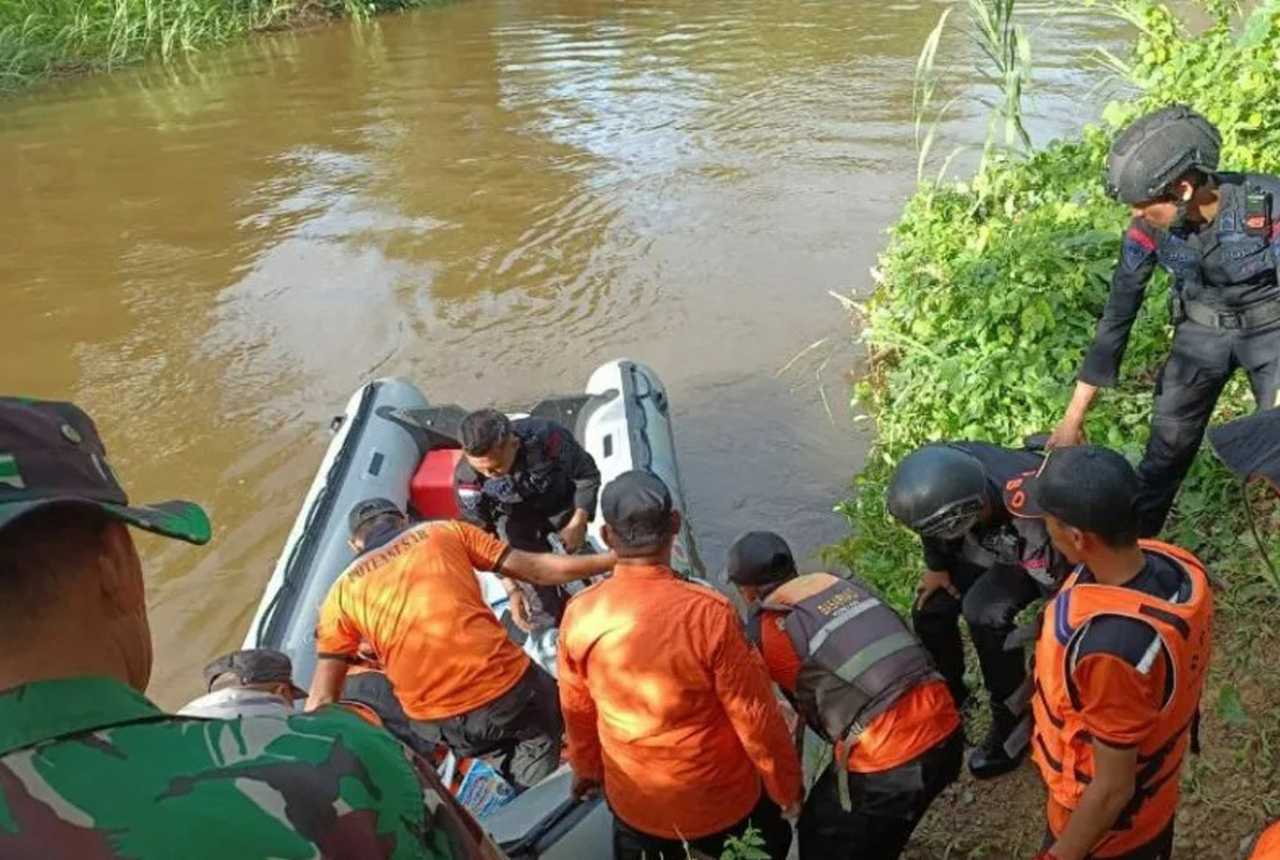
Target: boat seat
point(431, 488)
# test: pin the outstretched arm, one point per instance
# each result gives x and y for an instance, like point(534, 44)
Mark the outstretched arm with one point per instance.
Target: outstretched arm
point(581, 730)
point(1101, 366)
point(326, 684)
point(544, 568)
point(747, 698)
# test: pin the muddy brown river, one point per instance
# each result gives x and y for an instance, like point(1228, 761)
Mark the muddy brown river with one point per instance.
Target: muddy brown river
point(492, 198)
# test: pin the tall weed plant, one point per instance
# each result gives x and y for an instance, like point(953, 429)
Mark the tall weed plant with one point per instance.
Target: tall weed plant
point(989, 291)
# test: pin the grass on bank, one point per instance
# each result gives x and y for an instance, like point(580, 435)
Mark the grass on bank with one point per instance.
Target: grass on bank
point(39, 38)
point(986, 300)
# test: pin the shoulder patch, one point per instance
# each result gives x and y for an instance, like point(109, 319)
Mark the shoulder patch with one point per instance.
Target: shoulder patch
point(1138, 237)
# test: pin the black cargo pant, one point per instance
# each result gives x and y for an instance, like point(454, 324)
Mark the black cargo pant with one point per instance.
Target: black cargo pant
point(886, 806)
point(374, 690)
point(992, 598)
point(520, 732)
point(1200, 363)
point(528, 530)
point(766, 818)
point(1160, 848)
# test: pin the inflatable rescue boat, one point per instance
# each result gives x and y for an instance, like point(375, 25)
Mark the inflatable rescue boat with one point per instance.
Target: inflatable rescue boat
point(394, 443)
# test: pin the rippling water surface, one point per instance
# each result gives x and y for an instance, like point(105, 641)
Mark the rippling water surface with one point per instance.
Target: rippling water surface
point(492, 198)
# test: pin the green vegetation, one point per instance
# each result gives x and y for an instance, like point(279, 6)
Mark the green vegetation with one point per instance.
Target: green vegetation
point(987, 297)
point(990, 289)
point(39, 38)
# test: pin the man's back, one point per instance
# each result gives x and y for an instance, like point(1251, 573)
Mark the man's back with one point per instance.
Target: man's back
point(90, 770)
point(676, 694)
point(418, 603)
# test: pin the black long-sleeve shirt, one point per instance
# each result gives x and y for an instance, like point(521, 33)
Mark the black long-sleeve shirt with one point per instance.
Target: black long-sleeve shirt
point(1217, 264)
point(551, 476)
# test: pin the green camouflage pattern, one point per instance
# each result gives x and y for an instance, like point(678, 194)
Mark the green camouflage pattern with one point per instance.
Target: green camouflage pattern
point(159, 787)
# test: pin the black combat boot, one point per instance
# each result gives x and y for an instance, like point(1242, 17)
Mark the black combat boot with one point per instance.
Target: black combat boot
point(991, 758)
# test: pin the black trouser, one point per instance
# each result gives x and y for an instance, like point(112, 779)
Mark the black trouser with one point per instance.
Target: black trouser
point(1160, 848)
point(766, 818)
point(374, 690)
point(1200, 363)
point(887, 806)
point(520, 732)
point(528, 530)
point(992, 598)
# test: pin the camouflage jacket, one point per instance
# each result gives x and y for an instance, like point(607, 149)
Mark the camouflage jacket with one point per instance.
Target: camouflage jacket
point(91, 770)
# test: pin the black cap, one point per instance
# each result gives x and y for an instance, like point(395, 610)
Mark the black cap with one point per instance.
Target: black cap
point(51, 453)
point(255, 666)
point(760, 558)
point(1250, 447)
point(1088, 487)
point(637, 507)
point(370, 508)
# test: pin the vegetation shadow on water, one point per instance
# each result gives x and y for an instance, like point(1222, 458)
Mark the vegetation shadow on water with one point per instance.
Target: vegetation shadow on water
point(42, 38)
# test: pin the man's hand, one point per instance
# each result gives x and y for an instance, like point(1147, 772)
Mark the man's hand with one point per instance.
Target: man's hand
point(1071, 430)
point(521, 611)
point(574, 534)
point(1066, 434)
point(932, 581)
point(585, 789)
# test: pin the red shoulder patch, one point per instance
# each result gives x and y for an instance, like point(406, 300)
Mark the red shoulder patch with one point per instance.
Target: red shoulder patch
point(1138, 236)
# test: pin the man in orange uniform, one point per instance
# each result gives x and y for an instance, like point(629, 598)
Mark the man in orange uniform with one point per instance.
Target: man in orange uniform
point(665, 704)
point(862, 681)
point(413, 598)
point(1119, 664)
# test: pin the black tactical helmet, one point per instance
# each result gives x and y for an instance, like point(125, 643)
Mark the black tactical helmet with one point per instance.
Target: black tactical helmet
point(938, 491)
point(760, 558)
point(1149, 156)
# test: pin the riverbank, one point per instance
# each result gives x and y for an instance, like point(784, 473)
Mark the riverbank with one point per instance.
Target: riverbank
point(987, 297)
point(45, 38)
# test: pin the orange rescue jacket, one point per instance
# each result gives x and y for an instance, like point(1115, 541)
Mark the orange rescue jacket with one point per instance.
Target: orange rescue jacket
point(1268, 845)
point(1062, 745)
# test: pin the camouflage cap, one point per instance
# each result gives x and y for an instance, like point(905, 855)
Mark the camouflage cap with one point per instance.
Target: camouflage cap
point(50, 453)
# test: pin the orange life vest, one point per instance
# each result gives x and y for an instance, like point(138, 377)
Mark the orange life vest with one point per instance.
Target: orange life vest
point(1062, 746)
point(1268, 847)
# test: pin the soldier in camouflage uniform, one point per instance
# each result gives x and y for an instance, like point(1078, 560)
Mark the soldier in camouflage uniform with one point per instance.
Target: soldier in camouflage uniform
point(91, 770)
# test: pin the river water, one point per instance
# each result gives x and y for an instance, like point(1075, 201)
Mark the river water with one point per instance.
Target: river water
point(492, 198)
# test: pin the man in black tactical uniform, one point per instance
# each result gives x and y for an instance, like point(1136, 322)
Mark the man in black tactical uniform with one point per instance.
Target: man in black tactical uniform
point(526, 480)
point(981, 562)
point(1217, 234)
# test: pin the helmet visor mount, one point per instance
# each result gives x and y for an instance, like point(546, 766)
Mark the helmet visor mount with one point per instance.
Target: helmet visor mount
point(951, 521)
